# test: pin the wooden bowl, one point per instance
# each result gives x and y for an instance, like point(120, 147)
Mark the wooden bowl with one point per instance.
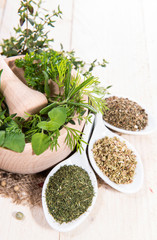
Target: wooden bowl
point(27, 162)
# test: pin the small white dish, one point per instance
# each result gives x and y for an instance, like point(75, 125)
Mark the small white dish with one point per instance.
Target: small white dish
point(81, 161)
point(100, 131)
point(151, 127)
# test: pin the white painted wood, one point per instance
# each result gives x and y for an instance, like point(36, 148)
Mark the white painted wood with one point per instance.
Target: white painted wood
point(125, 34)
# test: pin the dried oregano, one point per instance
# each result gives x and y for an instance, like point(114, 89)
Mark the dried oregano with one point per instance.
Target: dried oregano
point(115, 160)
point(69, 193)
point(126, 114)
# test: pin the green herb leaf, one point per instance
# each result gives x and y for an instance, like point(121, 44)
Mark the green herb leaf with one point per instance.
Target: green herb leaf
point(40, 142)
point(14, 141)
point(46, 85)
point(67, 82)
point(47, 108)
point(0, 76)
point(84, 105)
point(48, 126)
point(2, 137)
point(58, 116)
point(82, 85)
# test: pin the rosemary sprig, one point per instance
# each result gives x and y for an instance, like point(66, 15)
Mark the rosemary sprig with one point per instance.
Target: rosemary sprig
point(42, 67)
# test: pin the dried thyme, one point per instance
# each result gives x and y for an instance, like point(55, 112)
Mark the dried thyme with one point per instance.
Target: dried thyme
point(69, 193)
point(126, 114)
point(115, 160)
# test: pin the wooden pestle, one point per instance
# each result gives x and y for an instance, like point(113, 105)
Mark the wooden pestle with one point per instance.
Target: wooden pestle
point(20, 98)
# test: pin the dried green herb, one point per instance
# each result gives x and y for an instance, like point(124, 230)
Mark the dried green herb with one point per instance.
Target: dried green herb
point(69, 193)
point(115, 160)
point(126, 114)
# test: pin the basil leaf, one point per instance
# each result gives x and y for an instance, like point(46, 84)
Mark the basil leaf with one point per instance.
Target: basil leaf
point(49, 126)
point(14, 141)
point(40, 142)
point(2, 137)
point(58, 116)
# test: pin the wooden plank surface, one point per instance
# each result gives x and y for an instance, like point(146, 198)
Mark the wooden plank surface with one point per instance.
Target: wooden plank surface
point(125, 34)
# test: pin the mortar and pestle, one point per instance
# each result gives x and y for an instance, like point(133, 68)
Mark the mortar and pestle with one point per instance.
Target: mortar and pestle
point(20, 99)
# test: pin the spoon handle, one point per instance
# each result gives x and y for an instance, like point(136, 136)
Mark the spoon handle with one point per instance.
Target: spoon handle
point(99, 123)
point(86, 133)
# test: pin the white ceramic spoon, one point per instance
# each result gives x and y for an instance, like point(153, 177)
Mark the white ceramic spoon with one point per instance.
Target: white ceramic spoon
point(151, 127)
point(81, 161)
point(100, 131)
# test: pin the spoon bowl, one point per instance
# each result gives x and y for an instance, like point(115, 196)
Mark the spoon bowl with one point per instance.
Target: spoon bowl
point(151, 126)
point(80, 160)
point(100, 131)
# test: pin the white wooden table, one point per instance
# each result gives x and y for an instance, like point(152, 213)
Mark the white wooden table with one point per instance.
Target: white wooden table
point(125, 34)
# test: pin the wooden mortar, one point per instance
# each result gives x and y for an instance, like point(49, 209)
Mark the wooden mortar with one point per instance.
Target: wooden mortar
point(27, 162)
point(20, 98)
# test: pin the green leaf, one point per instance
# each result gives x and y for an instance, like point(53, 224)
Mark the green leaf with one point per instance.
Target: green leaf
point(22, 21)
point(82, 85)
point(47, 108)
point(1, 100)
point(67, 82)
point(84, 105)
point(2, 114)
point(2, 137)
point(14, 141)
point(46, 85)
point(48, 126)
point(0, 76)
point(40, 142)
point(31, 21)
point(31, 9)
point(58, 115)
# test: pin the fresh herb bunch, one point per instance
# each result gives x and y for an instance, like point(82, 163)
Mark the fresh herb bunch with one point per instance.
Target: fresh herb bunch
point(31, 34)
point(42, 68)
point(11, 135)
point(41, 71)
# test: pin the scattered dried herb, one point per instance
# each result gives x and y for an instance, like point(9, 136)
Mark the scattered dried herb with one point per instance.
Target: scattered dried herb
point(115, 160)
point(126, 114)
point(69, 193)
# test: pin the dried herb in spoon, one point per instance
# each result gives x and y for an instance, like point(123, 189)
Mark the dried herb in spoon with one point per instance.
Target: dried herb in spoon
point(115, 159)
point(69, 193)
point(126, 114)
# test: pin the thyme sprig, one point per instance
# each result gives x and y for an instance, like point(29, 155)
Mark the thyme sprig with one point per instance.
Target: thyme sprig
point(41, 70)
point(43, 67)
point(31, 34)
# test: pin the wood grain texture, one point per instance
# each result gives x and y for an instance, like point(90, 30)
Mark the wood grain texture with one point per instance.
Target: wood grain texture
point(125, 34)
point(20, 98)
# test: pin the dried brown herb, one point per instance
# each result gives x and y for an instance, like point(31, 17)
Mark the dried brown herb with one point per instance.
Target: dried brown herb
point(69, 193)
point(115, 160)
point(126, 114)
